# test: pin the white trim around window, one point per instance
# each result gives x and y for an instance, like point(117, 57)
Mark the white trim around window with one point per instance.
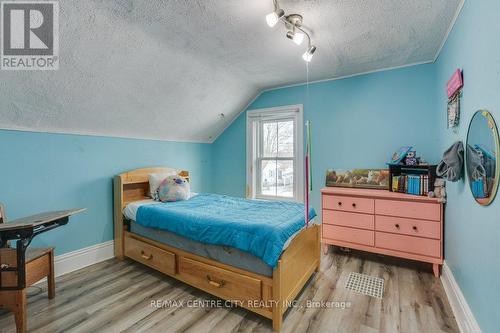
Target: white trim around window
point(255, 121)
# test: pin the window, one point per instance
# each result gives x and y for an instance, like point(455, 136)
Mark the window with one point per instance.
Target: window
point(274, 153)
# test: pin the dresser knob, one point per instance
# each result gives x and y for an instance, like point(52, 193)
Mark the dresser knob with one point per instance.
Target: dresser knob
point(415, 228)
point(354, 205)
point(340, 203)
point(397, 226)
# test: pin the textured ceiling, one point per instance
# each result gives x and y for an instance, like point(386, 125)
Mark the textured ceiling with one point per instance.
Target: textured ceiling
point(168, 69)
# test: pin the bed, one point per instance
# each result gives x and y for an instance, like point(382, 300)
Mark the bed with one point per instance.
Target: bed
point(264, 283)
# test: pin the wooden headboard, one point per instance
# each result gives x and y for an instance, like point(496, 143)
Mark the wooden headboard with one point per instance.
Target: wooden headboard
point(128, 187)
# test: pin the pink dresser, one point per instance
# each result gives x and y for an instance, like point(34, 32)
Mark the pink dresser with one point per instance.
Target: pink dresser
point(384, 222)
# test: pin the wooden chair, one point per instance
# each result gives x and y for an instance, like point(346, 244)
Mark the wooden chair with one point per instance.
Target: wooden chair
point(39, 263)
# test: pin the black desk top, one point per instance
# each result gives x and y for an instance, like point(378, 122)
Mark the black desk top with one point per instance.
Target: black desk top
point(37, 220)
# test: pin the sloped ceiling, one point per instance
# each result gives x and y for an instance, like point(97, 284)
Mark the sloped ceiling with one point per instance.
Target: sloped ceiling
point(168, 69)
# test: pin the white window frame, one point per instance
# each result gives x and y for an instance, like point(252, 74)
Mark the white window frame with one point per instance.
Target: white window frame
point(254, 119)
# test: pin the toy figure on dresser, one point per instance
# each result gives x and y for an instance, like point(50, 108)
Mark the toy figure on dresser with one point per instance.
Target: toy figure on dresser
point(439, 190)
point(406, 156)
point(411, 158)
point(399, 155)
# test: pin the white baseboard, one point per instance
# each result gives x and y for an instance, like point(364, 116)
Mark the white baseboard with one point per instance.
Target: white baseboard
point(72, 261)
point(463, 314)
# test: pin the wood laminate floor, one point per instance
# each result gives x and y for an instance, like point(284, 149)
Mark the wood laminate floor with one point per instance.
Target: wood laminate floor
point(115, 296)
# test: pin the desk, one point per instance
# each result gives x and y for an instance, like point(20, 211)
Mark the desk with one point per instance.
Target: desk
point(19, 268)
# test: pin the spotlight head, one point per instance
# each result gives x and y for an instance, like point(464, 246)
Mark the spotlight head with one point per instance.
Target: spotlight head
point(296, 37)
point(307, 56)
point(274, 17)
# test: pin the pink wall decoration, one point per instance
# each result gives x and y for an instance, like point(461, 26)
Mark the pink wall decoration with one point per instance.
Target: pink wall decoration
point(455, 83)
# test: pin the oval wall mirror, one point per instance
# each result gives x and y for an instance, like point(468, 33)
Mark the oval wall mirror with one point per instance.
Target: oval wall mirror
point(482, 152)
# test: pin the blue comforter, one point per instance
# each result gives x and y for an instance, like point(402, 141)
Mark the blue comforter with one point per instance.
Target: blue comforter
point(256, 226)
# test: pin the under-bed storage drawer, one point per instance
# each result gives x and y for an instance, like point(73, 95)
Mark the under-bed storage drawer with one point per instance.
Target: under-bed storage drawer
point(219, 281)
point(152, 256)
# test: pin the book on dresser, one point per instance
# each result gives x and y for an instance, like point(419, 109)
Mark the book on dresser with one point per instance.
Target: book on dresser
point(384, 222)
point(412, 179)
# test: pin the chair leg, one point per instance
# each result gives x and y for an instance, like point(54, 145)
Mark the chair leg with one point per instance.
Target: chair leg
point(20, 311)
point(51, 278)
point(15, 301)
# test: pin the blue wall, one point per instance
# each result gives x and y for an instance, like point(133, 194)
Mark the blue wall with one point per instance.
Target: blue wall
point(356, 123)
point(40, 172)
point(473, 232)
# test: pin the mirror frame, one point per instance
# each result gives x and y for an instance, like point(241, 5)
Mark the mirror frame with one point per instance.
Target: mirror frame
point(496, 138)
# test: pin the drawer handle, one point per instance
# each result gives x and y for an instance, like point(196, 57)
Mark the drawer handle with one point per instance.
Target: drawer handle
point(354, 205)
point(415, 227)
point(144, 256)
point(215, 283)
point(397, 226)
point(340, 203)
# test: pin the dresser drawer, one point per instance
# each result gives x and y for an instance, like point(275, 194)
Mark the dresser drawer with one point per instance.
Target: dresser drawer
point(351, 235)
point(416, 210)
point(349, 204)
point(409, 244)
point(348, 219)
point(149, 255)
point(219, 281)
point(404, 226)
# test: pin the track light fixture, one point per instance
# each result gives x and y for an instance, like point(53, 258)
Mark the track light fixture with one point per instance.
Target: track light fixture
point(295, 32)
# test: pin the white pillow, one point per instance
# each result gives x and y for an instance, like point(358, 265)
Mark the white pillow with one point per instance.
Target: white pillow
point(155, 180)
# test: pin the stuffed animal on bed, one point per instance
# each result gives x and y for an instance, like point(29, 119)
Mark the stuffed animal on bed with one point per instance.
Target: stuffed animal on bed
point(174, 188)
